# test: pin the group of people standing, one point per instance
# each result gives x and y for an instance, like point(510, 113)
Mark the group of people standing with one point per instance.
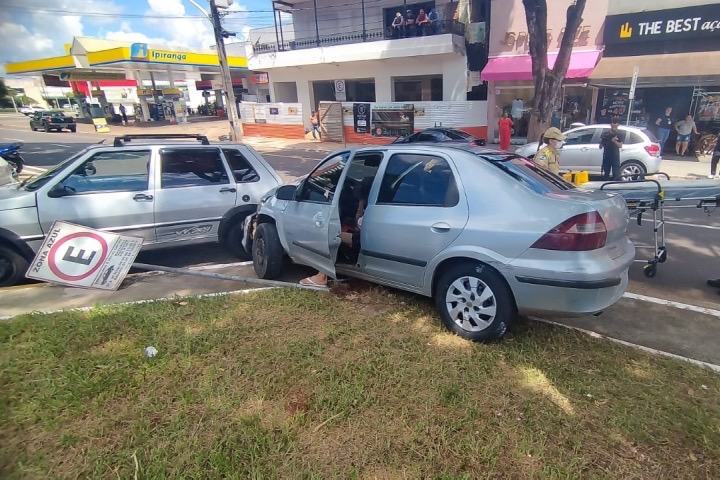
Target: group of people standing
point(685, 128)
point(411, 25)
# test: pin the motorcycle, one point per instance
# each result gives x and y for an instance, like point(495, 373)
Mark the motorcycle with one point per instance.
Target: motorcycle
point(11, 154)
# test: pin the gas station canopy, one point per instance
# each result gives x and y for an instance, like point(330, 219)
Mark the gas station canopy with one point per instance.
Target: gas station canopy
point(89, 57)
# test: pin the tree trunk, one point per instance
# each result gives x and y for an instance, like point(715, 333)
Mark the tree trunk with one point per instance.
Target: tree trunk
point(548, 82)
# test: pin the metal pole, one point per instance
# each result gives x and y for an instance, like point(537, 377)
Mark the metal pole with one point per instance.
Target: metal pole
point(14, 104)
point(317, 29)
point(236, 130)
point(362, 3)
point(278, 42)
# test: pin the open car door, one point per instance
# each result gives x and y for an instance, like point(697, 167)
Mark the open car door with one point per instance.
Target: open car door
point(311, 223)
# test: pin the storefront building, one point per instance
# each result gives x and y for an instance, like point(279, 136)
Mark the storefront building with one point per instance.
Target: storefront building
point(509, 69)
point(676, 52)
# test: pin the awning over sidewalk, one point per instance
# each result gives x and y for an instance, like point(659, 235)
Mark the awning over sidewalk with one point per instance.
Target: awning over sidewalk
point(682, 69)
point(519, 67)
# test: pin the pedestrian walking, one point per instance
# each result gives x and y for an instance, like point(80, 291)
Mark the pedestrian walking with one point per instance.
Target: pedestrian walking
point(123, 114)
point(663, 126)
point(685, 128)
point(505, 124)
point(315, 122)
point(549, 157)
point(715, 158)
point(611, 141)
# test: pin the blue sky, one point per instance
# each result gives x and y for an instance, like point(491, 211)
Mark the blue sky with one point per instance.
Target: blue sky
point(39, 28)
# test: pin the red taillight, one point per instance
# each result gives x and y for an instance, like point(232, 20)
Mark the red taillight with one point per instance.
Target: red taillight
point(653, 149)
point(580, 233)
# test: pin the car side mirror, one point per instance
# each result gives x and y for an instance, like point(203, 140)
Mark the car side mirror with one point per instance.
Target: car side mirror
point(286, 192)
point(58, 191)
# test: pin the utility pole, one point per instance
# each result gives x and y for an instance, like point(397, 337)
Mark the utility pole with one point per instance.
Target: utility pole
point(236, 130)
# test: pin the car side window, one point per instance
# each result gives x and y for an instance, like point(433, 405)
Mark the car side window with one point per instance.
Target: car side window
point(429, 137)
point(241, 168)
point(321, 184)
point(416, 180)
point(632, 138)
point(582, 137)
point(192, 167)
point(116, 171)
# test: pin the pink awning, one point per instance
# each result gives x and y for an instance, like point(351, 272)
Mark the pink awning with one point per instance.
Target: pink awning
point(519, 67)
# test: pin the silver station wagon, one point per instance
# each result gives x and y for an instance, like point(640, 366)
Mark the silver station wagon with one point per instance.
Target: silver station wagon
point(487, 234)
point(158, 187)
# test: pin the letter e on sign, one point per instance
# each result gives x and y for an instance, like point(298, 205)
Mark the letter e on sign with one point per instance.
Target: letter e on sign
point(77, 256)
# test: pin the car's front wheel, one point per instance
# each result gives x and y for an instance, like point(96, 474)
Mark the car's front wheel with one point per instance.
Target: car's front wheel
point(632, 170)
point(474, 302)
point(234, 239)
point(267, 252)
point(73, 128)
point(12, 267)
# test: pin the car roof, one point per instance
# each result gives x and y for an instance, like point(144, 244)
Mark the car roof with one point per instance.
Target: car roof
point(440, 147)
point(607, 125)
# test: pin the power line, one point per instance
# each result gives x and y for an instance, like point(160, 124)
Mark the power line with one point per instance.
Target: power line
point(45, 11)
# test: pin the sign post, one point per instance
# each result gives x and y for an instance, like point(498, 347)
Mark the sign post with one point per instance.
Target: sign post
point(82, 257)
point(633, 85)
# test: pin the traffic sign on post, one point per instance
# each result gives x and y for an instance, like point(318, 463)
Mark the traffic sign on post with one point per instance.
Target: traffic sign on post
point(83, 257)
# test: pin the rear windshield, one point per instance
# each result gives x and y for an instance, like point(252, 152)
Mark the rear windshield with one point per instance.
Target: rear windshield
point(458, 135)
point(650, 135)
point(529, 173)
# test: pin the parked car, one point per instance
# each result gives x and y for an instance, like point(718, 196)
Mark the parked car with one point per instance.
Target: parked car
point(29, 110)
point(167, 191)
point(488, 234)
point(640, 154)
point(47, 120)
point(438, 135)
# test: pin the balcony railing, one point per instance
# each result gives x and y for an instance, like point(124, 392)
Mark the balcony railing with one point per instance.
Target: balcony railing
point(370, 35)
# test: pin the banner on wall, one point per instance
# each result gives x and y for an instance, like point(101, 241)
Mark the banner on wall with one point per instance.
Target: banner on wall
point(361, 117)
point(393, 120)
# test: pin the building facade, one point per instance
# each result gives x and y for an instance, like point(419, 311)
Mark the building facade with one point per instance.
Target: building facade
point(509, 69)
point(676, 51)
point(339, 54)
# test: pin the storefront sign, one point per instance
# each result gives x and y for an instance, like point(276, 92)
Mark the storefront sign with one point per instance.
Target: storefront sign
point(340, 93)
point(292, 110)
point(274, 111)
point(393, 120)
point(259, 78)
point(361, 117)
point(259, 111)
point(702, 21)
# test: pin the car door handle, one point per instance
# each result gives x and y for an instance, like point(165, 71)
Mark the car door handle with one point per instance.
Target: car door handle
point(440, 228)
point(142, 197)
point(228, 189)
point(585, 149)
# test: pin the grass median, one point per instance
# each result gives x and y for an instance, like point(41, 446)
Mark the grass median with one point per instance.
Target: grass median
point(353, 384)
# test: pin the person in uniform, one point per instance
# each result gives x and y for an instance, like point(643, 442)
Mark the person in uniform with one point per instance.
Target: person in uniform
point(548, 157)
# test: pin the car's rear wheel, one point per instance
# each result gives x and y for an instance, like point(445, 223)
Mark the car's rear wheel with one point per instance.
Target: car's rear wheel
point(267, 252)
point(632, 170)
point(73, 129)
point(12, 267)
point(474, 302)
point(233, 241)
point(47, 129)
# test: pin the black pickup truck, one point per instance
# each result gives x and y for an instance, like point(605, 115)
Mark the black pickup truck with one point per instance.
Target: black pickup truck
point(47, 121)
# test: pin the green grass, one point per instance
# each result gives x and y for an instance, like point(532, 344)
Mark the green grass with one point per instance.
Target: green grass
point(298, 384)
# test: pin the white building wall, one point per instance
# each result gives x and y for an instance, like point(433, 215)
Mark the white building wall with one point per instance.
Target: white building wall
point(453, 69)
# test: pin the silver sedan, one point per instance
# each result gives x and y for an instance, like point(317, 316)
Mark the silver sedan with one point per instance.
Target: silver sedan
point(487, 234)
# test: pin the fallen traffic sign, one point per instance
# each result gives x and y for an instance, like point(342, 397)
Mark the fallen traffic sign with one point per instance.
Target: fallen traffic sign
point(83, 257)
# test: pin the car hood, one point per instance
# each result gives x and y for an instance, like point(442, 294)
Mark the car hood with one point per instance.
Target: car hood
point(11, 197)
point(529, 147)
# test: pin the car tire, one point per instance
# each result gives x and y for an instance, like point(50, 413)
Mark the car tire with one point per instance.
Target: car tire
point(489, 307)
point(47, 129)
point(32, 128)
point(632, 170)
point(234, 238)
point(12, 267)
point(72, 129)
point(267, 252)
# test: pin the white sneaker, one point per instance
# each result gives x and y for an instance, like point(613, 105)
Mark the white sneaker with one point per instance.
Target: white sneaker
point(711, 177)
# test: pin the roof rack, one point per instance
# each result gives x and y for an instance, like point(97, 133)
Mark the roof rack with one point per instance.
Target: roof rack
point(120, 141)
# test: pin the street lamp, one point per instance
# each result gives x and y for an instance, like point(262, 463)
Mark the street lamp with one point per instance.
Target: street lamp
point(236, 130)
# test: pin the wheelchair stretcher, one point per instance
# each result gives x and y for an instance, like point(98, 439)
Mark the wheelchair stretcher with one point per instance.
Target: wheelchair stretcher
point(651, 195)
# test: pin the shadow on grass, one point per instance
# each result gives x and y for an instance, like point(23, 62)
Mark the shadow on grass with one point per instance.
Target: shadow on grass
point(289, 383)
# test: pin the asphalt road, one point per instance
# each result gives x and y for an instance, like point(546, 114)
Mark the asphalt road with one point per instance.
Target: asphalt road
point(693, 237)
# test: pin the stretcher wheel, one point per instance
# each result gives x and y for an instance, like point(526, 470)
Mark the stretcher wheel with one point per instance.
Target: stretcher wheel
point(662, 256)
point(650, 270)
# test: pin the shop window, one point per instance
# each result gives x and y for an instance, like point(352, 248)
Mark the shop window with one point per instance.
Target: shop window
point(360, 90)
point(436, 89)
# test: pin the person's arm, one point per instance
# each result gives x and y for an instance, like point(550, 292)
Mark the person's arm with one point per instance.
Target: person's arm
point(695, 128)
point(677, 126)
point(658, 121)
